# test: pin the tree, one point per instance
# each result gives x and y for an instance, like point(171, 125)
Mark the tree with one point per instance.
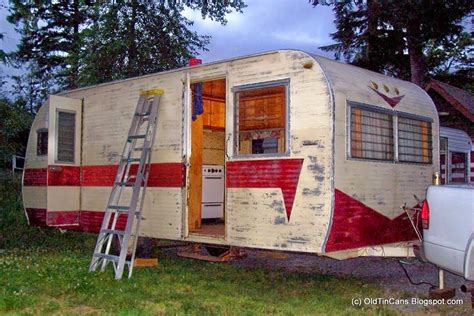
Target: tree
point(15, 124)
point(136, 38)
point(393, 36)
point(451, 54)
point(68, 44)
point(50, 37)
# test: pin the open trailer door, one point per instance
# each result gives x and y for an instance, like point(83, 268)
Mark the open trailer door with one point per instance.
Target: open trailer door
point(64, 161)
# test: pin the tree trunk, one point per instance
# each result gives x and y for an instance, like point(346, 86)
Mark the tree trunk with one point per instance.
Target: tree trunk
point(76, 21)
point(415, 51)
point(372, 23)
point(132, 45)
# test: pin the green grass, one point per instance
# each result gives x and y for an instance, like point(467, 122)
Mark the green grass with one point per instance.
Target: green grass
point(56, 280)
point(43, 271)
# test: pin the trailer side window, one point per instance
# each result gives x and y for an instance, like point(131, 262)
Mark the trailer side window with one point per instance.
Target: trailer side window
point(261, 119)
point(371, 134)
point(42, 141)
point(414, 140)
point(66, 126)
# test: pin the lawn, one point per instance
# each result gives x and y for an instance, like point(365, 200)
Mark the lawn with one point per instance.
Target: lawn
point(44, 271)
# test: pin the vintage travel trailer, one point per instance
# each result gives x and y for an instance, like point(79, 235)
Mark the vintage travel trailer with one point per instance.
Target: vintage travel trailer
point(292, 152)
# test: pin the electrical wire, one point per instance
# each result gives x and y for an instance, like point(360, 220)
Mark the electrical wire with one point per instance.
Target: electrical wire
point(432, 286)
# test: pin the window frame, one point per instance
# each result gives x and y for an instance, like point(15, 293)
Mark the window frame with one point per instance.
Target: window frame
point(56, 140)
point(254, 86)
point(372, 108)
point(395, 115)
point(420, 119)
point(38, 132)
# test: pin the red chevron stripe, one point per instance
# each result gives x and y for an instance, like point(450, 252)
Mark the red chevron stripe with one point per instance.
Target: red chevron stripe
point(277, 173)
point(356, 225)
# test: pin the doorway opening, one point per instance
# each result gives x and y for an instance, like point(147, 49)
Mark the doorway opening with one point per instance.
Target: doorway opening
point(206, 191)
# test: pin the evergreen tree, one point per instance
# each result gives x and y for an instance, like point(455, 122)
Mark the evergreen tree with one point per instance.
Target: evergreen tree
point(68, 44)
point(393, 36)
point(50, 37)
point(136, 38)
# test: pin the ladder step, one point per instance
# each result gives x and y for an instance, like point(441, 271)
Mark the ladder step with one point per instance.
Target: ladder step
point(112, 231)
point(136, 136)
point(131, 159)
point(141, 148)
point(142, 114)
point(125, 184)
point(119, 207)
point(107, 257)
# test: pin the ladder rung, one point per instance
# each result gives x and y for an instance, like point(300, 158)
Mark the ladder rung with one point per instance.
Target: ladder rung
point(141, 148)
point(142, 114)
point(119, 207)
point(125, 184)
point(131, 159)
point(108, 257)
point(136, 136)
point(112, 231)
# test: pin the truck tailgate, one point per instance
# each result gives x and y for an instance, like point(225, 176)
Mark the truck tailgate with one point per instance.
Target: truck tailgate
point(451, 225)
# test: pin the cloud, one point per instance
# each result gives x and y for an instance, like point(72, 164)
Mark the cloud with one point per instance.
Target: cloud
point(267, 25)
point(297, 37)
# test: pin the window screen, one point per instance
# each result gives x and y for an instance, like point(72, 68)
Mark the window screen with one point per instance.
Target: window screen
point(414, 140)
point(261, 120)
point(371, 134)
point(42, 142)
point(66, 125)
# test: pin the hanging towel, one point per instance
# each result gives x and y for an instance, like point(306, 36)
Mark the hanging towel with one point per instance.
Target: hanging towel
point(197, 103)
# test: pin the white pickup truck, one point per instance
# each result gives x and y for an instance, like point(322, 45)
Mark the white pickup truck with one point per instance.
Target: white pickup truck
point(448, 228)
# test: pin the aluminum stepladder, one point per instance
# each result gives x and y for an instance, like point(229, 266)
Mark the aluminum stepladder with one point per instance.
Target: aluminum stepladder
point(128, 192)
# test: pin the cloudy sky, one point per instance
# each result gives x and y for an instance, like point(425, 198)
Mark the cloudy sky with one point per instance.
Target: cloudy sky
point(264, 25)
point(267, 25)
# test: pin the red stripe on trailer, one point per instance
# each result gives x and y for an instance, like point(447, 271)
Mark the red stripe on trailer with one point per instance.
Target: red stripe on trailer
point(99, 175)
point(62, 218)
point(86, 221)
point(167, 175)
point(64, 175)
point(91, 221)
point(161, 175)
point(36, 216)
point(35, 177)
point(356, 225)
point(277, 173)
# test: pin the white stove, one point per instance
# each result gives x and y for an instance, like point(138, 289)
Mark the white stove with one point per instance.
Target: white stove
point(213, 187)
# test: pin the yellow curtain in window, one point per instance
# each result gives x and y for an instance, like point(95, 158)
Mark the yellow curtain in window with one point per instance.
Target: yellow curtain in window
point(424, 142)
point(356, 142)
